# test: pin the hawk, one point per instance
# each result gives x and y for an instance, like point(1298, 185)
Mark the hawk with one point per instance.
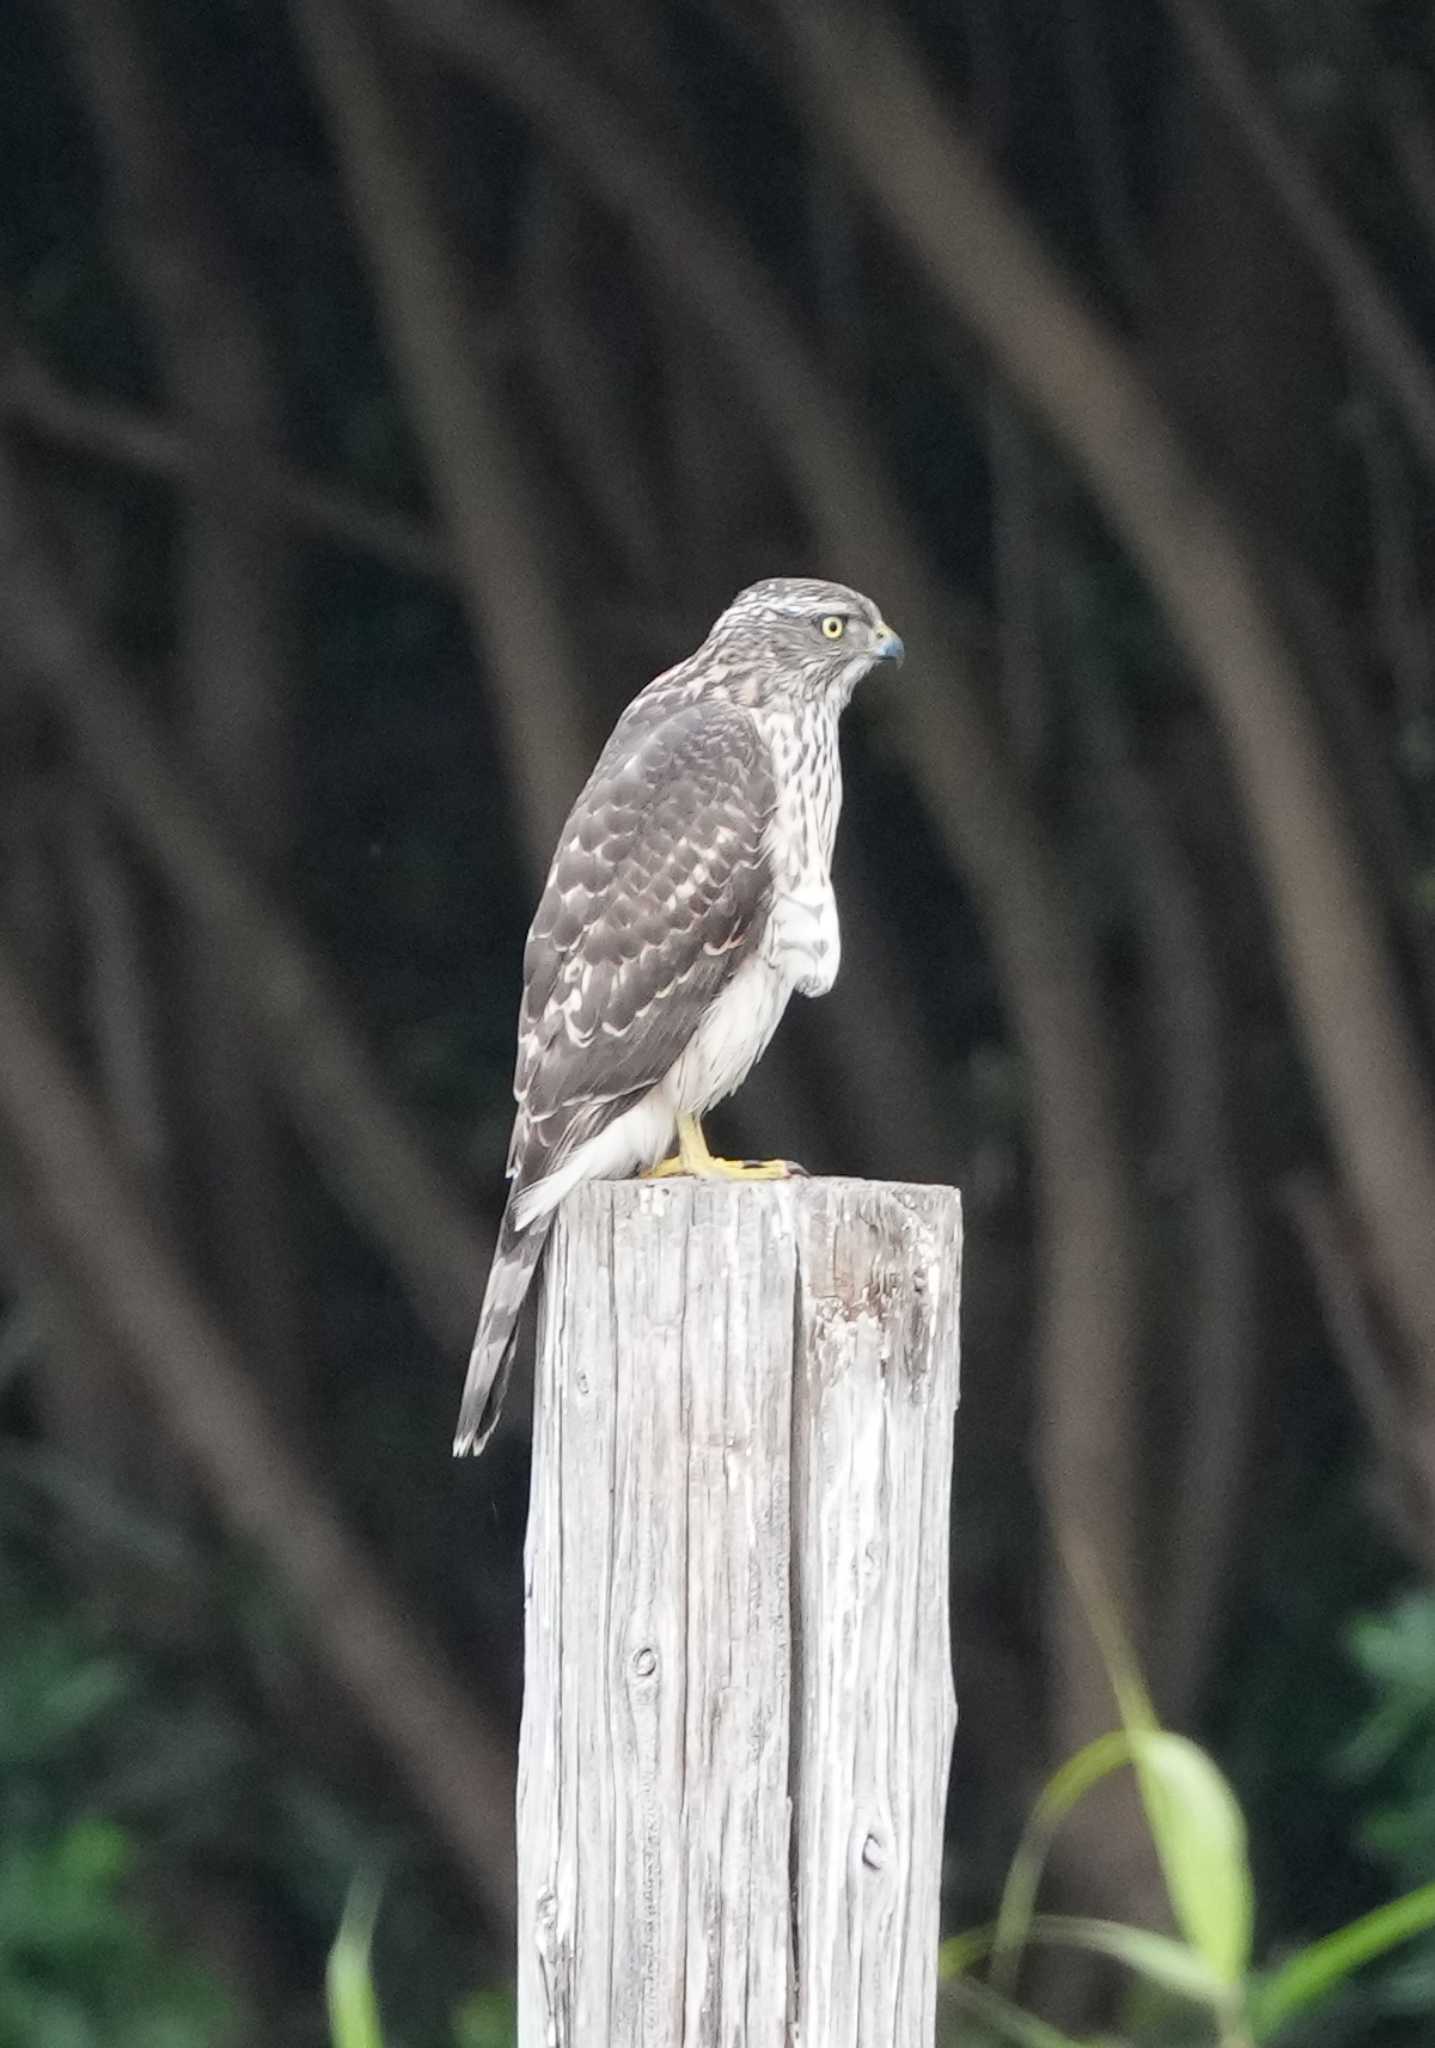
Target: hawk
point(690, 894)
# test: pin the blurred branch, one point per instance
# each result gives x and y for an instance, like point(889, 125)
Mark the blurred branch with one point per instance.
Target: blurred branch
point(98, 1235)
point(1400, 629)
point(515, 608)
point(33, 398)
point(714, 483)
point(584, 409)
point(1335, 664)
point(980, 254)
point(1099, 134)
point(1339, 1270)
point(234, 614)
point(1377, 327)
point(1089, 1288)
point(1213, 1333)
point(1407, 116)
point(361, 1140)
point(120, 1003)
point(1017, 563)
point(75, 941)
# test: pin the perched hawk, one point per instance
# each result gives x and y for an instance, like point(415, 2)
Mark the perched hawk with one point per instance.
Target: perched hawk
point(691, 893)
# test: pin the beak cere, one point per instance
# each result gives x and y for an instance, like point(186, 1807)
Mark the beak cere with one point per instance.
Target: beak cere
point(886, 646)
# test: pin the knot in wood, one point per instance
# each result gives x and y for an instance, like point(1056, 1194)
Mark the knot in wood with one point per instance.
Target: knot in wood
point(645, 1661)
point(874, 1853)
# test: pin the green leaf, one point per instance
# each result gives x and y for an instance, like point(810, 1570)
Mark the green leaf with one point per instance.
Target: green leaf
point(1322, 1968)
point(353, 2007)
point(1199, 1833)
point(1200, 1836)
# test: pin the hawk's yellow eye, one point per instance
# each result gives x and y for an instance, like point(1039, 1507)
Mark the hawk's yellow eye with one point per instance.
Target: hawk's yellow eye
point(833, 627)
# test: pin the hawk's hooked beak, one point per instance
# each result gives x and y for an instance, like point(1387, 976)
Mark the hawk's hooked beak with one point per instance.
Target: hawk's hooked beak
point(886, 646)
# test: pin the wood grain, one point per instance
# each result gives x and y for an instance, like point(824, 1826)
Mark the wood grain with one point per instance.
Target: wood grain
point(739, 1707)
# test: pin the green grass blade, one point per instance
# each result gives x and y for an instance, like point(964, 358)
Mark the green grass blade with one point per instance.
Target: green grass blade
point(1195, 1818)
point(1004, 2019)
point(1160, 1958)
point(348, 1981)
point(960, 1952)
point(1322, 1968)
point(1132, 1699)
point(1061, 1792)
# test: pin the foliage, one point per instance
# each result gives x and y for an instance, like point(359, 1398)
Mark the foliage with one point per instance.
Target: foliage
point(1198, 1832)
point(1392, 1752)
point(353, 2003)
point(487, 2019)
point(83, 1961)
point(1391, 1758)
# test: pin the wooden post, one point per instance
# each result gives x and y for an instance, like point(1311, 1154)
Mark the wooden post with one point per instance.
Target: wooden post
point(738, 1711)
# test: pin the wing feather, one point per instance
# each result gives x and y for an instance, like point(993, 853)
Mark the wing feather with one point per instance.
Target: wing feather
point(659, 888)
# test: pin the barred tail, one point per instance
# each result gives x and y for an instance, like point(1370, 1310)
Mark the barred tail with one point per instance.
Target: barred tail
point(490, 1363)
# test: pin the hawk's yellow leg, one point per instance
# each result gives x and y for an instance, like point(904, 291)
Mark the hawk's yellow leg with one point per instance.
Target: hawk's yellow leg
point(693, 1157)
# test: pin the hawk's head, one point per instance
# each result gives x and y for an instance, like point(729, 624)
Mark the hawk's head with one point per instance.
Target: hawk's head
point(799, 636)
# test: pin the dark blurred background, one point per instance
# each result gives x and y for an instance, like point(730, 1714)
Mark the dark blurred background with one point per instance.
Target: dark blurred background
point(388, 388)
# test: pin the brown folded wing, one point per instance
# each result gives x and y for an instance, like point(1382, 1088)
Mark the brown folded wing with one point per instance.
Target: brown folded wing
point(658, 891)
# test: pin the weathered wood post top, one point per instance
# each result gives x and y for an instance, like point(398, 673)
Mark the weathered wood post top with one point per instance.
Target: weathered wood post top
point(739, 1706)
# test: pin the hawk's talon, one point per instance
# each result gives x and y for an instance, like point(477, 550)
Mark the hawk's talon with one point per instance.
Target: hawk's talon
point(749, 1169)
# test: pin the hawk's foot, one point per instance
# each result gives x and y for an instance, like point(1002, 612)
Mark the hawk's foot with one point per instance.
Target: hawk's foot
point(693, 1158)
point(714, 1168)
